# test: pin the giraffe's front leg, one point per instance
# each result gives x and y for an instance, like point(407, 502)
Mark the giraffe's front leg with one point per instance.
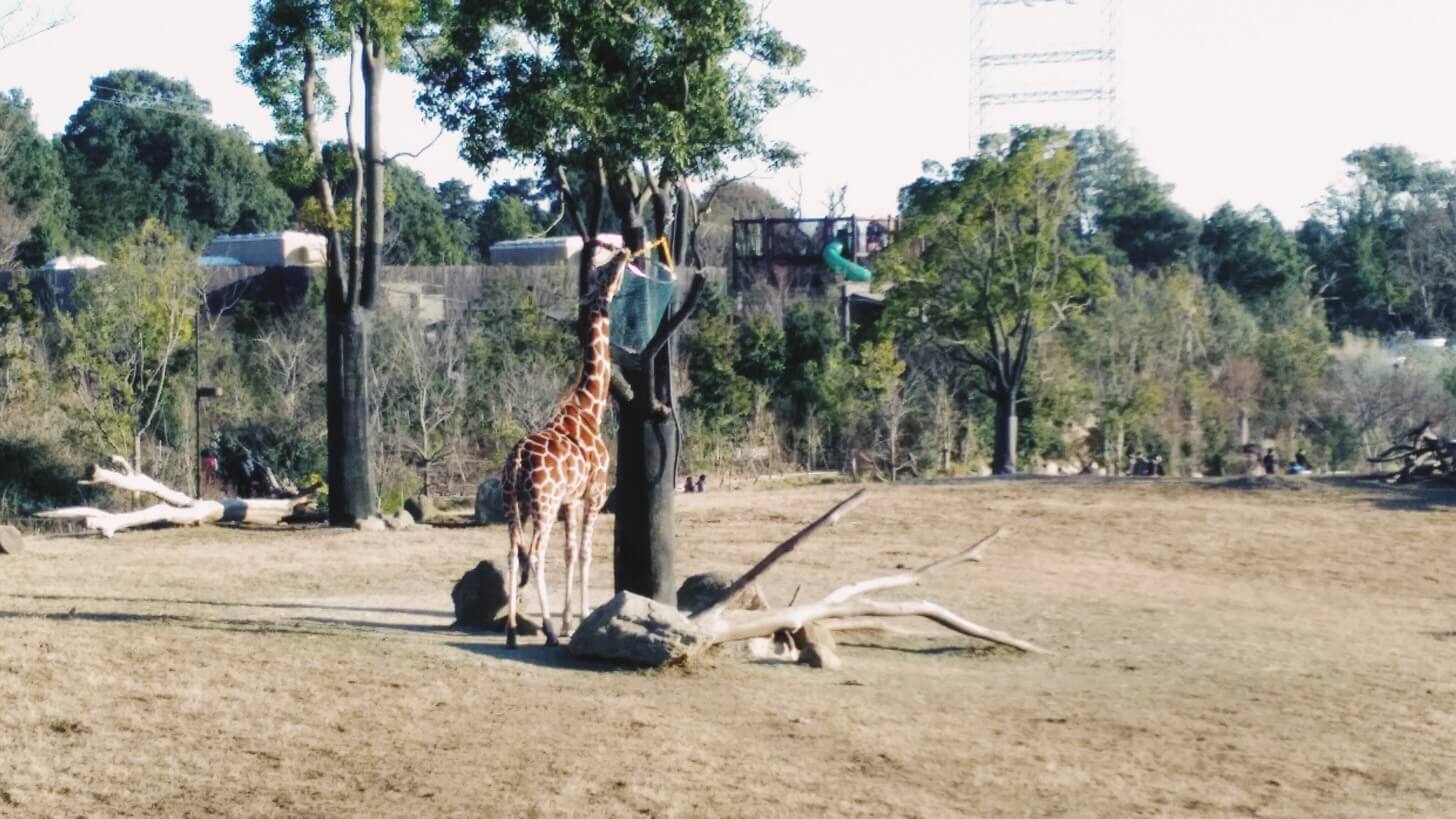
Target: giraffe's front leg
point(588, 524)
point(573, 529)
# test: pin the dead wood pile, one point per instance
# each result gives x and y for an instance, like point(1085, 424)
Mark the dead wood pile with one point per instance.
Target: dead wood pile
point(639, 631)
point(1424, 456)
point(176, 507)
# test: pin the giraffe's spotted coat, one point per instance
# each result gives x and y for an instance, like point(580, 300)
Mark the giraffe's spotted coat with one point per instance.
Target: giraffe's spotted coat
point(563, 465)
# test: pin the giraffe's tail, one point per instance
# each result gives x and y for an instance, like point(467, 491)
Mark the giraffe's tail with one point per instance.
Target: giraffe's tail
point(511, 501)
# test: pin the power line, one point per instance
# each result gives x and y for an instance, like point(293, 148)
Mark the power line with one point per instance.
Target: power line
point(1095, 81)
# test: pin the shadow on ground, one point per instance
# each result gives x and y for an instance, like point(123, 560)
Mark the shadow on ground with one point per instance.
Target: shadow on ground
point(536, 653)
point(291, 625)
point(1426, 496)
point(232, 604)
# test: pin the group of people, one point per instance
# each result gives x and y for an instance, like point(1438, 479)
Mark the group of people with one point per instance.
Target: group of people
point(700, 485)
point(1144, 467)
point(1299, 466)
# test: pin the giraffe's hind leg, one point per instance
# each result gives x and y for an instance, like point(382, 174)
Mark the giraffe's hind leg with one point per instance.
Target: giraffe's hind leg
point(540, 536)
point(572, 521)
point(588, 525)
point(513, 568)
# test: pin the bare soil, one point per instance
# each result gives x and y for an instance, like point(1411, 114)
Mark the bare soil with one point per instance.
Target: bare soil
point(1221, 650)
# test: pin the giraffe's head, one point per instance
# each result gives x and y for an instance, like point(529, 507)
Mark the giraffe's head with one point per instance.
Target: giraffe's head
point(607, 280)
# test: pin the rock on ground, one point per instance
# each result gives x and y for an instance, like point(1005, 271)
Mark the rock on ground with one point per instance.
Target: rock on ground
point(489, 506)
point(11, 541)
point(702, 591)
point(400, 520)
point(638, 631)
point(422, 508)
point(480, 596)
point(817, 648)
point(370, 524)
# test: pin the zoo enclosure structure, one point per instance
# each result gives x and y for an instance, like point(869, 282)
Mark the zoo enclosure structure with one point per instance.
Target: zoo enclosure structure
point(814, 257)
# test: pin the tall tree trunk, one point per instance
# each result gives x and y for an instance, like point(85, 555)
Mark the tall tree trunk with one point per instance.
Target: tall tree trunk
point(1003, 458)
point(1121, 451)
point(373, 70)
point(351, 483)
point(646, 479)
point(647, 442)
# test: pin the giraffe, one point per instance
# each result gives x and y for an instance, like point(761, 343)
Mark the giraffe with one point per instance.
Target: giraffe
point(563, 465)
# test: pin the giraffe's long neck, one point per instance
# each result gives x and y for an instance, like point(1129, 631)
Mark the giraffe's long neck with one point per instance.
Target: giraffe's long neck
point(592, 388)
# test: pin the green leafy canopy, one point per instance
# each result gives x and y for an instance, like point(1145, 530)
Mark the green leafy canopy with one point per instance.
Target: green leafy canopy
point(680, 83)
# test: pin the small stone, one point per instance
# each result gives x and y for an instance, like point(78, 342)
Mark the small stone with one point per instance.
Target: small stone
point(422, 508)
point(370, 524)
point(11, 541)
point(400, 521)
point(637, 631)
point(489, 504)
point(817, 647)
point(702, 591)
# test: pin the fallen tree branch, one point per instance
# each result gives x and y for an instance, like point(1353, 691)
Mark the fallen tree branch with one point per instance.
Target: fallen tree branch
point(721, 625)
point(895, 581)
point(639, 631)
point(177, 508)
point(829, 519)
point(728, 629)
point(133, 481)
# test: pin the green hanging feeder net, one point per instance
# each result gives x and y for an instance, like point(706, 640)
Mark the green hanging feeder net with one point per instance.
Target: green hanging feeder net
point(642, 304)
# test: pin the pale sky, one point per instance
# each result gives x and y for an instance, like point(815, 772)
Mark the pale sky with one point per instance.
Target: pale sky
point(1248, 101)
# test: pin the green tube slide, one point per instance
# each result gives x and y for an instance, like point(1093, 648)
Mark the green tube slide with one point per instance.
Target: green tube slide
point(833, 256)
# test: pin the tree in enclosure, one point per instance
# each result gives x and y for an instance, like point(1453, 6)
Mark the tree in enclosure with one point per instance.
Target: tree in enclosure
point(122, 346)
point(620, 103)
point(281, 60)
point(985, 264)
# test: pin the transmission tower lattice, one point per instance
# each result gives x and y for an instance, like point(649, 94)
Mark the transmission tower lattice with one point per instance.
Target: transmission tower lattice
point(1004, 77)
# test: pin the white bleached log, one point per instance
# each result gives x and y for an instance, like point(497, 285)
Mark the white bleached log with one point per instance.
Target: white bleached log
point(177, 508)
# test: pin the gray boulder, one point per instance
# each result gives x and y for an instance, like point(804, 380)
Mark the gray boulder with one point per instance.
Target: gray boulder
point(489, 505)
point(634, 630)
point(11, 542)
point(480, 597)
point(702, 591)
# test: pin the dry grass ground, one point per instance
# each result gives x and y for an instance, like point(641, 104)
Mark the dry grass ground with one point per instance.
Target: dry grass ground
point(1220, 652)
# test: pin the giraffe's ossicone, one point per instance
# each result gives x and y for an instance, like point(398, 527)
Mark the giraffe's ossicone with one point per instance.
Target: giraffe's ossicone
point(563, 466)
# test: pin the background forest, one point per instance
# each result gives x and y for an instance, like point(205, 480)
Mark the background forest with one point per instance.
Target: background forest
point(1050, 308)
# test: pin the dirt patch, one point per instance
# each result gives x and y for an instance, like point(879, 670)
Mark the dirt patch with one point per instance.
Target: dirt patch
point(1218, 653)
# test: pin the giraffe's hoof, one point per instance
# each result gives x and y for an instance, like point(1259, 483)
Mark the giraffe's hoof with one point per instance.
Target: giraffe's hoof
point(551, 641)
point(511, 638)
